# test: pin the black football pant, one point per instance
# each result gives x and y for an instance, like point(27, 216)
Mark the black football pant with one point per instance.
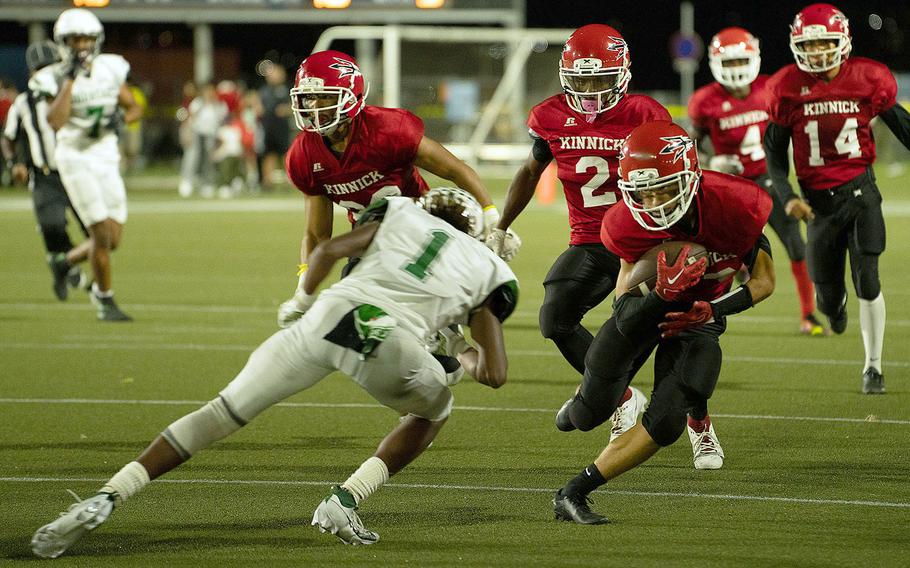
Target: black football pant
point(686, 369)
point(848, 220)
point(581, 278)
point(51, 202)
point(786, 227)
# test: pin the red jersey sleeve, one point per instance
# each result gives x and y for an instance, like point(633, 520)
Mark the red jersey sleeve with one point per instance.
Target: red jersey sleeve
point(885, 95)
point(297, 167)
point(409, 135)
point(777, 111)
point(696, 109)
point(535, 128)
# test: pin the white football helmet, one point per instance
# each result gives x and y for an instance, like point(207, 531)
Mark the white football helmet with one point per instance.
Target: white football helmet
point(457, 207)
point(77, 22)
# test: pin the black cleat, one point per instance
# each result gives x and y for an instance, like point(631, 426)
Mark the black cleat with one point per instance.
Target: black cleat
point(563, 421)
point(574, 508)
point(108, 310)
point(873, 382)
point(60, 269)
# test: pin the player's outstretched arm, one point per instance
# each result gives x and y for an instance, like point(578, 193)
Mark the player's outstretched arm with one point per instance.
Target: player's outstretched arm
point(327, 253)
point(898, 120)
point(521, 190)
point(434, 158)
point(319, 222)
point(487, 361)
point(58, 112)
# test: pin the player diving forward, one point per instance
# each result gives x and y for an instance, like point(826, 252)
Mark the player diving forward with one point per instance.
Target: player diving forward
point(352, 154)
point(417, 274)
point(88, 89)
point(733, 112)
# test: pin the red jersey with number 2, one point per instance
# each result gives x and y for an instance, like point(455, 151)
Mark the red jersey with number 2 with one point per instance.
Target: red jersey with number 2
point(587, 154)
point(732, 211)
point(735, 126)
point(378, 161)
point(832, 140)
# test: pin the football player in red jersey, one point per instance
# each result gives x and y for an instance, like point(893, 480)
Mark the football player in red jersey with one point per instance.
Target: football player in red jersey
point(825, 103)
point(582, 129)
point(353, 154)
point(733, 113)
point(668, 198)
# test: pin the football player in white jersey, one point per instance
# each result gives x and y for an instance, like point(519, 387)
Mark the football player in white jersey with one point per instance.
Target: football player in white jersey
point(88, 91)
point(419, 274)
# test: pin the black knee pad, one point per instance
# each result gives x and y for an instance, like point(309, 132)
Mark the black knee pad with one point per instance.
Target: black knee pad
point(584, 416)
point(553, 320)
point(829, 297)
point(700, 367)
point(864, 270)
point(664, 424)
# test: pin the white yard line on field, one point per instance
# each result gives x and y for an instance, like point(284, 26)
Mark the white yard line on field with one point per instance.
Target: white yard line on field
point(153, 402)
point(498, 488)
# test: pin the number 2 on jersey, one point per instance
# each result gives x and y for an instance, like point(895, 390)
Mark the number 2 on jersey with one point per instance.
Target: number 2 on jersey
point(847, 142)
point(601, 175)
point(418, 267)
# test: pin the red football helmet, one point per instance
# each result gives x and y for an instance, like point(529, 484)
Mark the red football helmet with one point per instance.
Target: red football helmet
point(659, 173)
point(594, 68)
point(734, 45)
point(329, 89)
point(820, 23)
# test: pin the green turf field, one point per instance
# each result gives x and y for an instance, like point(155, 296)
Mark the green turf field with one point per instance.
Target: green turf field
point(816, 473)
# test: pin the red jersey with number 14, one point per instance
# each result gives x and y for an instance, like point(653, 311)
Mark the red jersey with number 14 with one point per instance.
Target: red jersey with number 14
point(587, 154)
point(378, 161)
point(736, 126)
point(832, 139)
point(732, 211)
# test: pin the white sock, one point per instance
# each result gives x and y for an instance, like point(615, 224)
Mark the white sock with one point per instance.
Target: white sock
point(127, 482)
point(872, 324)
point(370, 476)
point(101, 294)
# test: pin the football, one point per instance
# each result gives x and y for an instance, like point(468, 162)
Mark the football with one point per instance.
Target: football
point(644, 272)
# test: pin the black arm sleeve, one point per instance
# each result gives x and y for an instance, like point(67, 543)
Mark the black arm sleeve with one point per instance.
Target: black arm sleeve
point(898, 120)
point(777, 142)
point(639, 316)
point(761, 244)
point(541, 151)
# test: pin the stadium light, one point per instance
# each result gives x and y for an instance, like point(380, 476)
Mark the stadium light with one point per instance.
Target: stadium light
point(91, 3)
point(332, 4)
point(430, 4)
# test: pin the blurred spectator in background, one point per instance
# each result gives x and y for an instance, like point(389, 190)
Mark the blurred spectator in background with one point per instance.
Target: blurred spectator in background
point(206, 113)
point(254, 138)
point(229, 157)
point(185, 137)
point(8, 93)
point(276, 113)
point(27, 118)
point(131, 136)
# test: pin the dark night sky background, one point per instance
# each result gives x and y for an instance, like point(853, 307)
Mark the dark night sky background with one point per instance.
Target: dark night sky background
point(647, 27)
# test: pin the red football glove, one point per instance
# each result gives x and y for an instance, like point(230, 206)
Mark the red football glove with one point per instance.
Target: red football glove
point(698, 315)
point(675, 279)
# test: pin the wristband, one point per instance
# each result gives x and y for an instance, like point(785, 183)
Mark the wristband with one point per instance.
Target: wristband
point(301, 268)
point(738, 300)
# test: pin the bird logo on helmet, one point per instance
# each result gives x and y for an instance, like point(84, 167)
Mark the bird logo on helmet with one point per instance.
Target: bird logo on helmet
point(329, 90)
point(659, 174)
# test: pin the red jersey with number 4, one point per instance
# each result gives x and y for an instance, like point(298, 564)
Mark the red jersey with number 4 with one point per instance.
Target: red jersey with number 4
point(378, 161)
point(587, 154)
point(736, 126)
point(731, 210)
point(832, 140)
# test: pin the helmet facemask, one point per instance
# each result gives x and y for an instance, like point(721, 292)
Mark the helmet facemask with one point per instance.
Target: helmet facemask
point(320, 108)
point(821, 51)
point(592, 89)
point(735, 67)
point(681, 187)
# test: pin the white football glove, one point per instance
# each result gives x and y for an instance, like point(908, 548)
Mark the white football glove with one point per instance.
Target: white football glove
point(504, 243)
point(726, 163)
point(293, 309)
point(453, 342)
point(490, 219)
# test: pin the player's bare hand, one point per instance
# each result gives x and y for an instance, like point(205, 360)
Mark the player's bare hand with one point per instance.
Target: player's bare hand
point(19, 173)
point(799, 209)
point(676, 278)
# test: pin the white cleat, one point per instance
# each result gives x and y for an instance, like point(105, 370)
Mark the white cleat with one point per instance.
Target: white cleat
point(337, 515)
point(53, 539)
point(627, 414)
point(706, 450)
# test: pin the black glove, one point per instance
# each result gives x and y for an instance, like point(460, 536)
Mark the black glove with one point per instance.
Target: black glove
point(115, 122)
point(73, 64)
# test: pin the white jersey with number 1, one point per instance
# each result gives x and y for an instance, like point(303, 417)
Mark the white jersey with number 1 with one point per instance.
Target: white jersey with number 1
point(424, 272)
point(93, 104)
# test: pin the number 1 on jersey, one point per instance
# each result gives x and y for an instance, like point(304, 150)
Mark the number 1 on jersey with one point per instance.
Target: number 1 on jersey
point(418, 267)
point(847, 142)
